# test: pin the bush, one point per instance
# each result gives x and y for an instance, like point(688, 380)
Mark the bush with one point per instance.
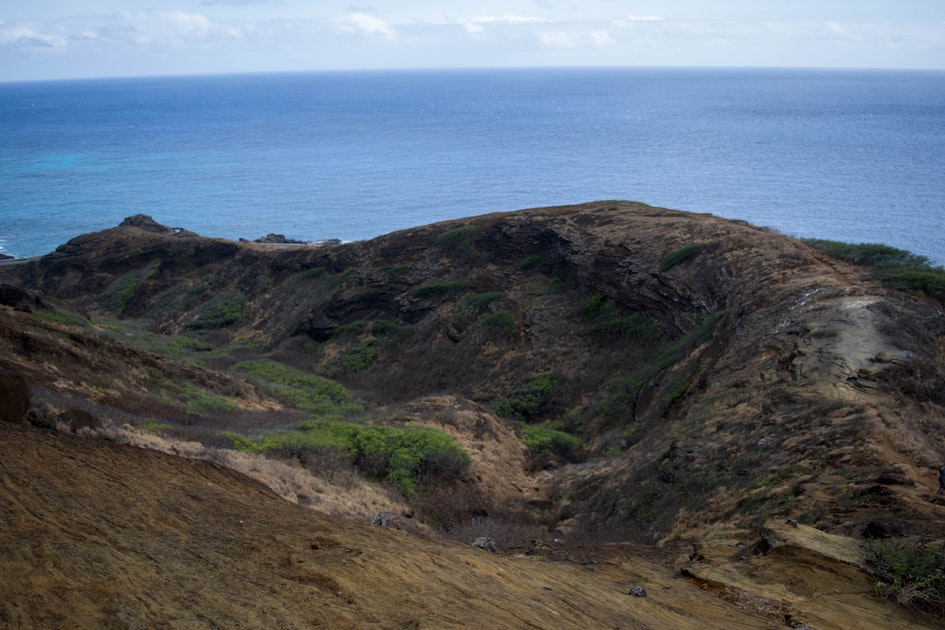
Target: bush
point(543, 441)
point(680, 256)
point(223, 311)
point(389, 330)
point(911, 572)
point(439, 288)
point(483, 300)
point(306, 391)
point(895, 268)
point(62, 316)
point(406, 456)
point(353, 359)
point(531, 263)
point(502, 322)
point(606, 319)
point(459, 239)
point(528, 399)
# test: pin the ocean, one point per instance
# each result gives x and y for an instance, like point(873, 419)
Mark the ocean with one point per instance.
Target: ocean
point(856, 156)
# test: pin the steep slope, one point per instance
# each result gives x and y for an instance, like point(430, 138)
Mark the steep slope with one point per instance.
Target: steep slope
point(98, 535)
point(714, 374)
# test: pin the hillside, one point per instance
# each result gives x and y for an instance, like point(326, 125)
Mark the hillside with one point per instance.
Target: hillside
point(578, 384)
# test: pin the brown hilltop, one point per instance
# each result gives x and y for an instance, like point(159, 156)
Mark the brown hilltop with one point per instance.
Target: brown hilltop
point(706, 381)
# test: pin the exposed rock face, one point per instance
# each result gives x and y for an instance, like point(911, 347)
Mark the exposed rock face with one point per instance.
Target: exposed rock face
point(144, 222)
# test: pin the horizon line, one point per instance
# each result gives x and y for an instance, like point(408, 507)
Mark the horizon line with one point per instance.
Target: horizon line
point(461, 69)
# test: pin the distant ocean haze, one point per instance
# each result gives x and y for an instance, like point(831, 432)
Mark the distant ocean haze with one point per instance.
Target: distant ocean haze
point(857, 156)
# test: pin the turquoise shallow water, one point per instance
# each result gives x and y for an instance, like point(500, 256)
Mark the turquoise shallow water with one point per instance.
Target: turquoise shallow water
point(850, 155)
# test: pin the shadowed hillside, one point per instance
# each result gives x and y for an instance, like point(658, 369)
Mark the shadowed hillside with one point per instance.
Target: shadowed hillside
point(558, 380)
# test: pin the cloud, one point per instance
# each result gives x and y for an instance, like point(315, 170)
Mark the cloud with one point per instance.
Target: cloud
point(506, 19)
point(174, 28)
point(601, 39)
point(557, 39)
point(359, 22)
point(237, 3)
point(576, 39)
point(26, 37)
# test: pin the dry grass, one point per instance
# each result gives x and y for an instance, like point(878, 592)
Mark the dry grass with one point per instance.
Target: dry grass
point(350, 497)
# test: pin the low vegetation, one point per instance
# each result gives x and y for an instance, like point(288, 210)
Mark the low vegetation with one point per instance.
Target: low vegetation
point(304, 391)
point(912, 573)
point(895, 268)
point(548, 445)
point(607, 319)
point(406, 456)
point(682, 255)
point(459, 239)
point(529, 399)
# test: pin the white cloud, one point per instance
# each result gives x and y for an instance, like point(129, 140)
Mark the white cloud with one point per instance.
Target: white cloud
point(643, 18)
point(26, 37)
point(506, 19)
point(174, 28)
point(557, 39)
point(601, 39)
point(358, 22)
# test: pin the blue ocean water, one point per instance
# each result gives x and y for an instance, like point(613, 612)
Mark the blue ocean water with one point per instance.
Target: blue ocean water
point(857, 156)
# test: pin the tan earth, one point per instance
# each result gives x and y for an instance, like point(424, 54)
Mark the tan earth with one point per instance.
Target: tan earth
point(98, 535)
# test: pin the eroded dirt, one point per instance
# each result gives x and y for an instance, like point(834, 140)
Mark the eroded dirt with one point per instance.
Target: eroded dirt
point(99, 535)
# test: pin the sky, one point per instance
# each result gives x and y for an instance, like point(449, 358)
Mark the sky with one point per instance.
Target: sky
point(64, 39)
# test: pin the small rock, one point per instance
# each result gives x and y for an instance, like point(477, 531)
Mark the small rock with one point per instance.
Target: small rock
point(380, 519)
point(638, 591)
point(485, 543)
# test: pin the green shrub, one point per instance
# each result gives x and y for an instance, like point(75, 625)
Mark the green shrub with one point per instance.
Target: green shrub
point(502, 322)
point(483, 300)
point(895, 268)
point(543, 441)
point(595, 304)
point(531, 263)
point(529, 399)
point(352, 359)
point(62, 316)
point(622, 401)
point(306, 391)
point(392, 331)
point(117, 295)
point(870, 254)
point(606, 319)
point(706, 329)
point(225, 310)
point(440, 288)
point(406, 456)
point(911, 572)
point(682, 255)
point(200, 402)
point(459, 239)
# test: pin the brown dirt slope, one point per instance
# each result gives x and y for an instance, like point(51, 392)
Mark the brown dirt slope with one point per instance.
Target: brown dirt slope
point(98, 535)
